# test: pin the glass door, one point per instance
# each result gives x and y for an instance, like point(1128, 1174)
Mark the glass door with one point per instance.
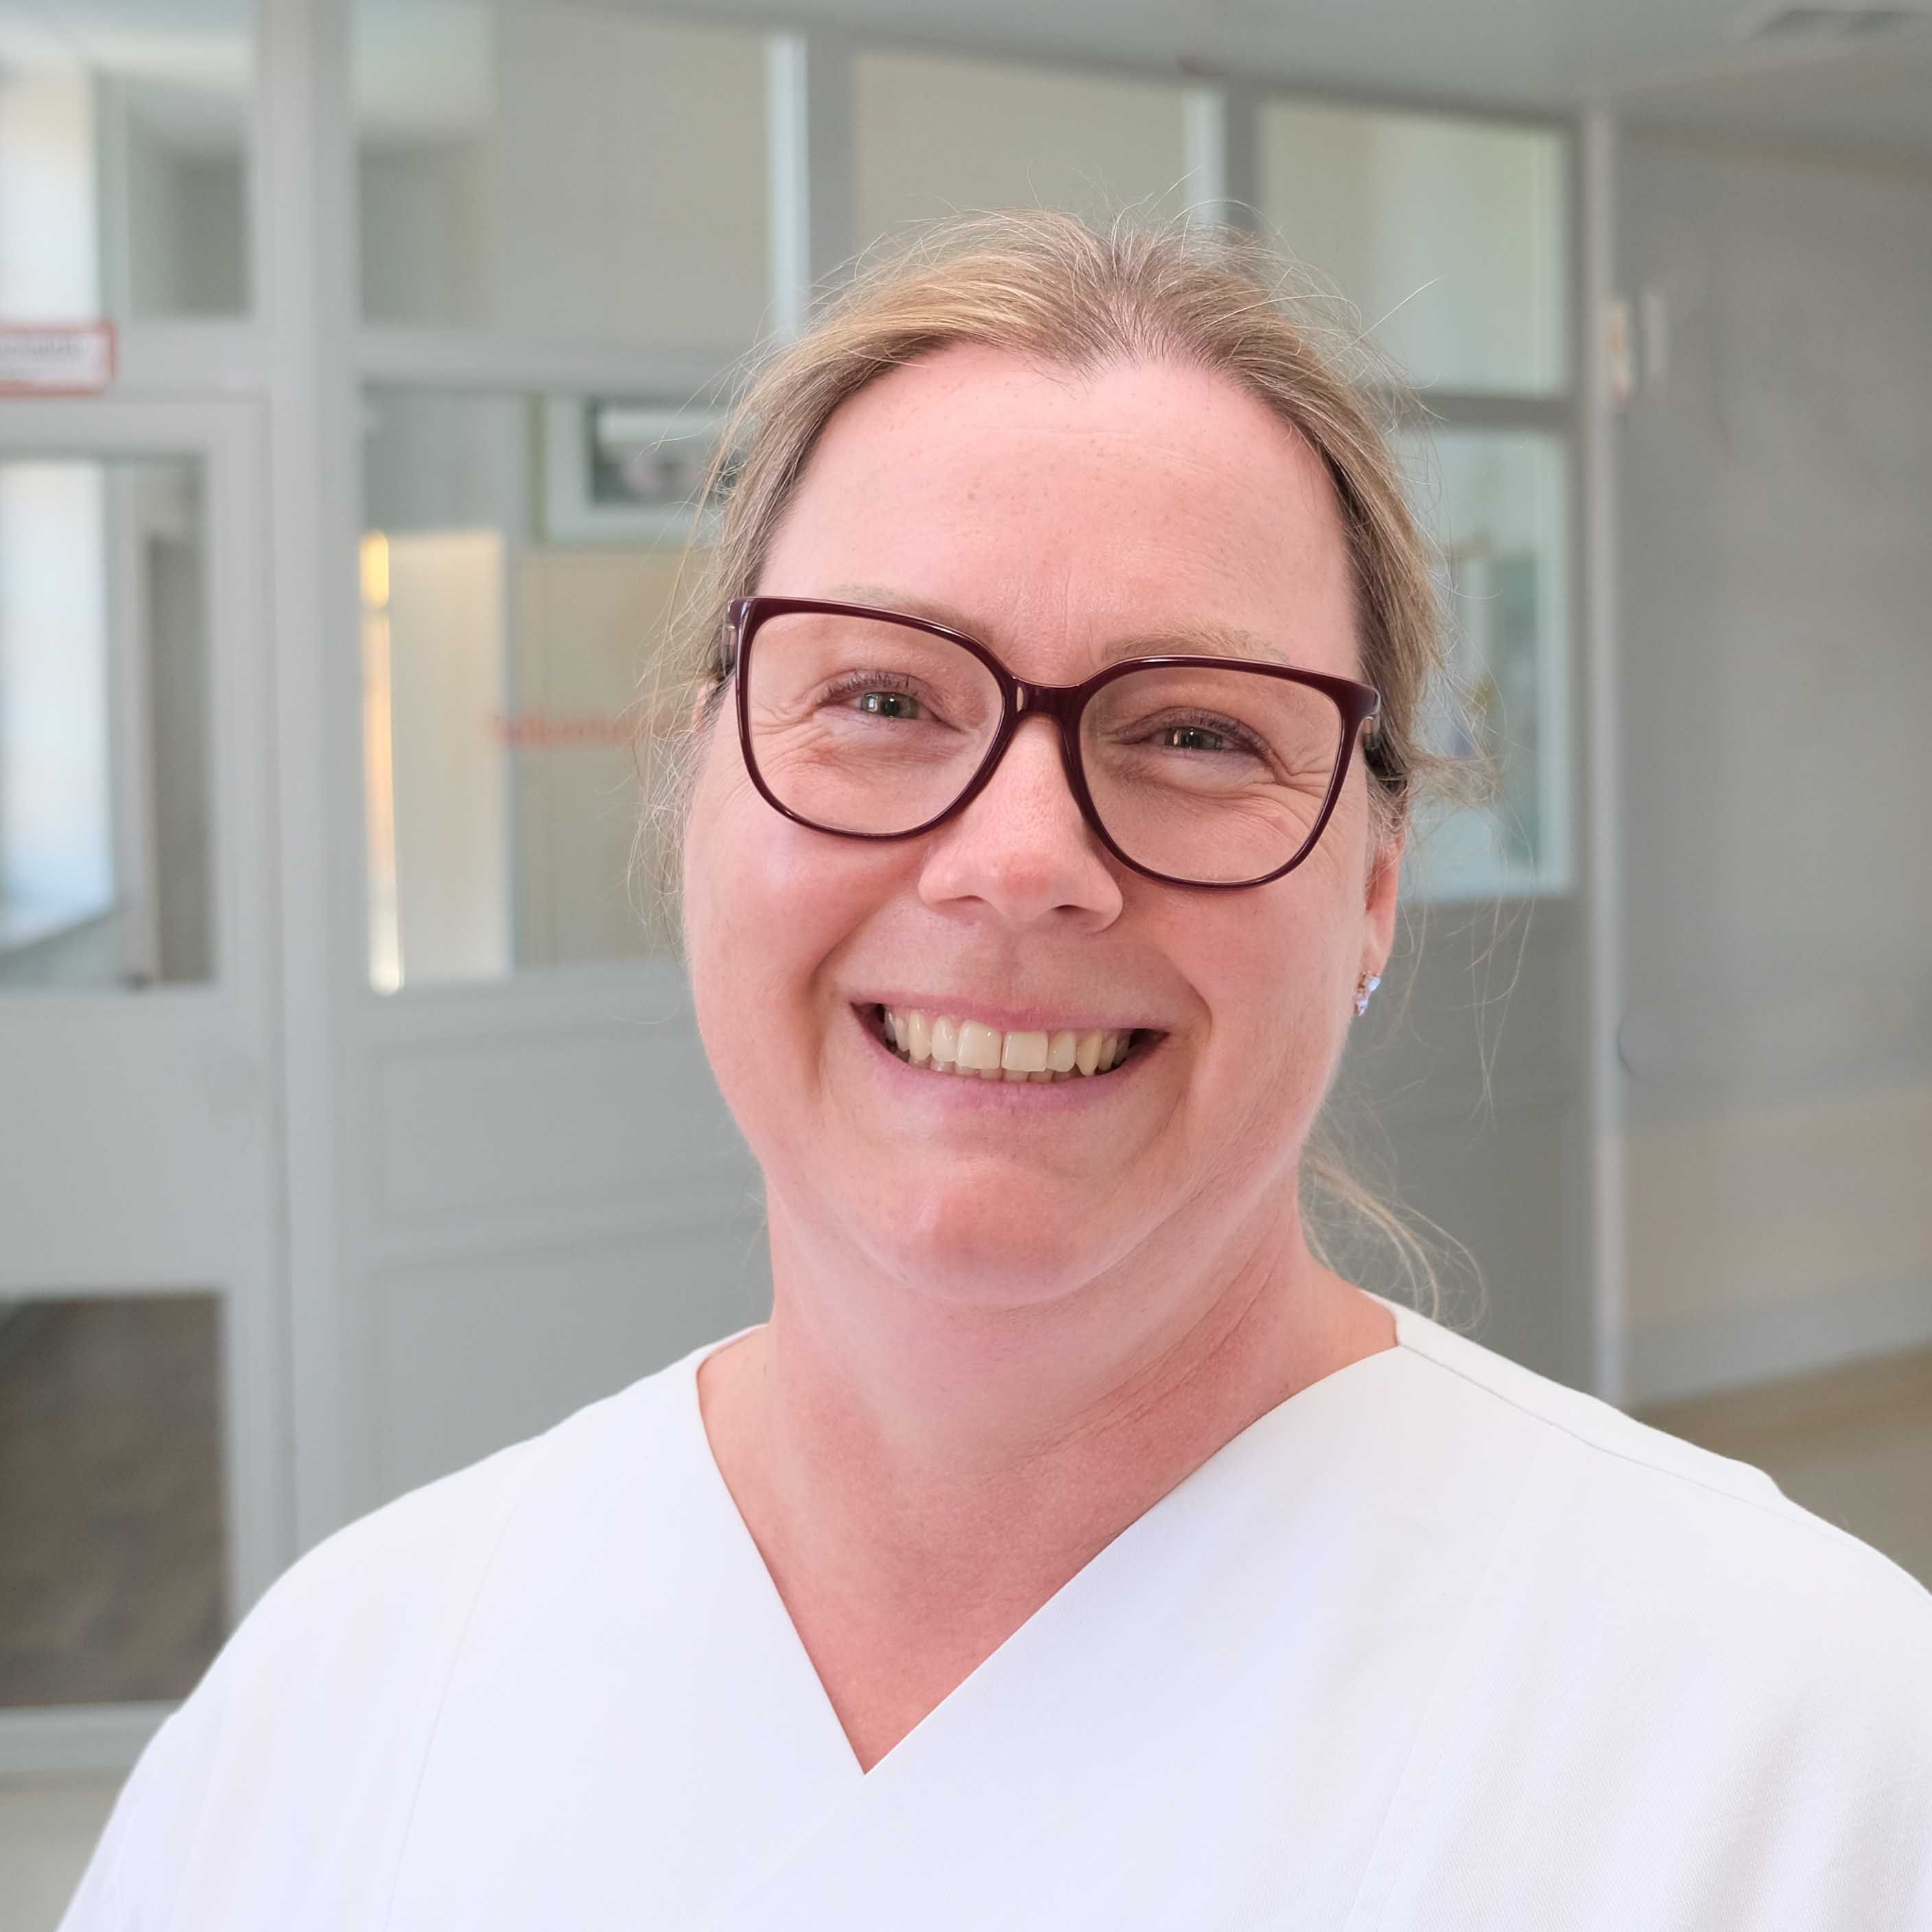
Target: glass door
point(141, 1474)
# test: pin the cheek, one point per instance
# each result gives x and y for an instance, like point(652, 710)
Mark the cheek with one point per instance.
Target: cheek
point(1271, 990)
point(1276, 973)
point(767, 905)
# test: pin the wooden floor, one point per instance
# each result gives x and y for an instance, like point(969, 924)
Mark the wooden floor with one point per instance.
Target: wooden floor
point(1852, 1444)
point(110, 1500)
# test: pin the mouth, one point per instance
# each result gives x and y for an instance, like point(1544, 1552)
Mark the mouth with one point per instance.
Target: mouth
point(941, 1043)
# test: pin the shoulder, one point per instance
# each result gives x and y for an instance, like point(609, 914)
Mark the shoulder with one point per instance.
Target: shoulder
point(408, 1569)
point(1486, 1398)
point(1640, 1480)
point(1681, 1562)
point(414, 1566)
point(1492, 1384)
point(1735, 1683)
point(322, 1703)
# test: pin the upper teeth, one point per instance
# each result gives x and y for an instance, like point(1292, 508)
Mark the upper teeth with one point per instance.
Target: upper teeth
point(948, 1045)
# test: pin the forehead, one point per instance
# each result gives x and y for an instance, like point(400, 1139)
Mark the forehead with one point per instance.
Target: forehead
point(1064, 516)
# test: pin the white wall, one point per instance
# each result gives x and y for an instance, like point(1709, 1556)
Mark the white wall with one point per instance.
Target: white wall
point(934, 133)
point(583, 177)
point(1450, 236)
point(1777, 687)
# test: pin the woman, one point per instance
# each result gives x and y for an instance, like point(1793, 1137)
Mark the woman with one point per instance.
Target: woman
point(1071, 1547)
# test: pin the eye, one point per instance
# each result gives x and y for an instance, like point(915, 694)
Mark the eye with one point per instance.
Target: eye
point(1191, 738)
point(889, 704)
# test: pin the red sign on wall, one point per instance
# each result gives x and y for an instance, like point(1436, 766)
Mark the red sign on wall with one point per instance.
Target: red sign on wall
point(57, 358)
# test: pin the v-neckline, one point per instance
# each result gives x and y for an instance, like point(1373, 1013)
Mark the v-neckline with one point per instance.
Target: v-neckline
point(735, 1535)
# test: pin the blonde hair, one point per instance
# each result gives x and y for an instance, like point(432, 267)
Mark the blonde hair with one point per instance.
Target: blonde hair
point(1055, 289)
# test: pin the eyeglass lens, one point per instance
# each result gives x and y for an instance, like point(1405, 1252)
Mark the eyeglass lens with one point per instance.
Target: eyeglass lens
point(1216, 776)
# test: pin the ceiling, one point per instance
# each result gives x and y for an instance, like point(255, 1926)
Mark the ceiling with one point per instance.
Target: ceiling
point(1692, 63)
point(1872, 99)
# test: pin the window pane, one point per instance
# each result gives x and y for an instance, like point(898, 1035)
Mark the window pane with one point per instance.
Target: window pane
point(561, 172)
point(935, 134)
point(1448, 235)
point(106, 851)
point(111, 1514)
point(125, 158)
point(520, 562)
point(1497, 509)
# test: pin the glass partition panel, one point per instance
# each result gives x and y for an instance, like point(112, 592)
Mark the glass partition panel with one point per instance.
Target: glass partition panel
point(936, 133)
point(125, 155)
point(561, 172)
point(107, 855)
point(520, 559)
point(111, 1519)
point(1448, 235)
point(1497, 505)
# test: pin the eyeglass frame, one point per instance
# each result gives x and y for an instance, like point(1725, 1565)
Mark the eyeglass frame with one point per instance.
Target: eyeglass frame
point(1359, 705)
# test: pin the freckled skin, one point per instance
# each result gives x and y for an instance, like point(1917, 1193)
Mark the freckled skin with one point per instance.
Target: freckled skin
point(1057, 513)
point(1000, 1332)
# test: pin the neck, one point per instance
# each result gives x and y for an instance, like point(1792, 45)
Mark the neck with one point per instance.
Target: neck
point(924, 1441)
point(920, 1478)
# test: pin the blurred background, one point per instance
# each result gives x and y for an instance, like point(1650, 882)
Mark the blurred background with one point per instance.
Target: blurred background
point(358, 359)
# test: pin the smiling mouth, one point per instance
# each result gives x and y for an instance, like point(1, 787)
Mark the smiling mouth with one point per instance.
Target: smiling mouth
point(941, 1044)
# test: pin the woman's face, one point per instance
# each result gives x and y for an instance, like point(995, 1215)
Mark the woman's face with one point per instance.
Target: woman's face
point(1061, 518)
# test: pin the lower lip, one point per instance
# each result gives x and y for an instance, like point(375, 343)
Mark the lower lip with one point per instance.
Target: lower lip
point(971, 1091)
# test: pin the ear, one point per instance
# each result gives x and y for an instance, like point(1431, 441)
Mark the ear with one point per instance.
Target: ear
point(1383, 888)
point(707, 705)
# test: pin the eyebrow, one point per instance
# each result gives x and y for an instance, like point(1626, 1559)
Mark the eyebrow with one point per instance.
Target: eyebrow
point(1205, 640)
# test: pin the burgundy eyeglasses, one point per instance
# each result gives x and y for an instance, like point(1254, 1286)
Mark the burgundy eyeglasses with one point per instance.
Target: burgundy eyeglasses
point(1214, 771)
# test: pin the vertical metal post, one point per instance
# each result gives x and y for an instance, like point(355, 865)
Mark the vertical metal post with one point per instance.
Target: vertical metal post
point(1596, 231)
point(1223, 120)
point(814, 162)
point(306, 268)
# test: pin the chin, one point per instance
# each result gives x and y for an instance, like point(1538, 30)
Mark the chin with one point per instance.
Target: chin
point(965, 1257)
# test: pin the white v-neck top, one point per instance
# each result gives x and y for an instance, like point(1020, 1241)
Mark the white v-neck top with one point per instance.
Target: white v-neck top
point(1437, 1643)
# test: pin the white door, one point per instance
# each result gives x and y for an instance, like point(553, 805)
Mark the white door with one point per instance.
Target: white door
point(542, 1196)
point(140, 1277)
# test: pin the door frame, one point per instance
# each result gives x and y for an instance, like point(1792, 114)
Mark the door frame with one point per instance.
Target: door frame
point(225, 434)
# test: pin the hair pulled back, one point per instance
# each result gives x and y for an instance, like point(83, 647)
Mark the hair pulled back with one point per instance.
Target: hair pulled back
point(1064, 292)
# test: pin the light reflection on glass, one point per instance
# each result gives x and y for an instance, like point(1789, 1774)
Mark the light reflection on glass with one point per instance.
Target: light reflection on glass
point(385, 951)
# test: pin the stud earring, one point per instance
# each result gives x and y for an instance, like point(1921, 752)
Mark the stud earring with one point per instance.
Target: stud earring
point(1364, 987)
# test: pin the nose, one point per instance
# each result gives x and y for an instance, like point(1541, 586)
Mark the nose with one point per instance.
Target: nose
point(1022, 848)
